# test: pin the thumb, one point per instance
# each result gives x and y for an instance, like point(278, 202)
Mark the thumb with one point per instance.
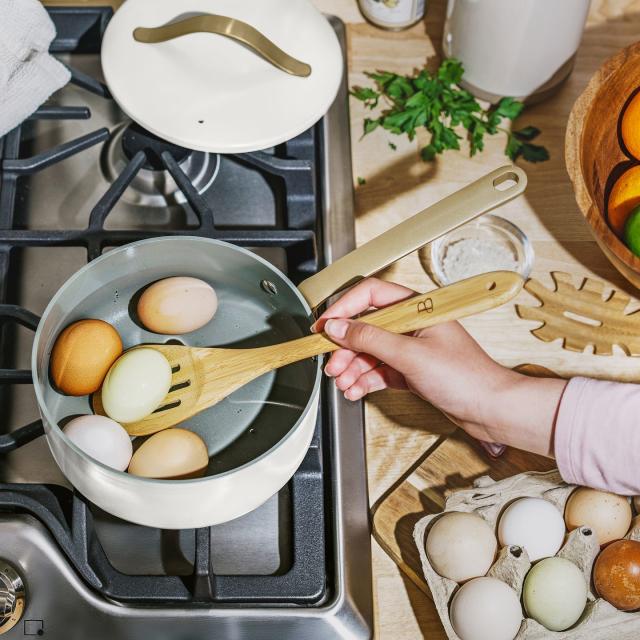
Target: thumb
point(391, 348)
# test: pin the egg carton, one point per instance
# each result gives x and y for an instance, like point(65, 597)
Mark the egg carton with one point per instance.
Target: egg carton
point(487, 498)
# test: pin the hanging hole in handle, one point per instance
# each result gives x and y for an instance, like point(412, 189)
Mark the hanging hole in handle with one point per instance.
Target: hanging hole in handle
point(491, 286)
point(506, 181)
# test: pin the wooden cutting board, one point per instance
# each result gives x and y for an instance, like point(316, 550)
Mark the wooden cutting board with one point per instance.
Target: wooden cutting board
point(454, 463)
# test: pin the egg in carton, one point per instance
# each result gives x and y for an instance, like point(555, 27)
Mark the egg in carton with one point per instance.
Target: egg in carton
point(488, 498)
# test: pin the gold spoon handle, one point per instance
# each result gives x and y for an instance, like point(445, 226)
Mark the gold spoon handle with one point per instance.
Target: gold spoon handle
point(454, 302)
point(231, 28)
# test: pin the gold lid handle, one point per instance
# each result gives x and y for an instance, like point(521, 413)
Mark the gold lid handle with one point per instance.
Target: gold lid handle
point(231, 28)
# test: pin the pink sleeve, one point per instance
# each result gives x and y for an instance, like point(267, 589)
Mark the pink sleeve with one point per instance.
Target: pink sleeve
point(597, 435)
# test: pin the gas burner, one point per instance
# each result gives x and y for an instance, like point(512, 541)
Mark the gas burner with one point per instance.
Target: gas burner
point(300, 564)
point(135, 138)
point(153, 186)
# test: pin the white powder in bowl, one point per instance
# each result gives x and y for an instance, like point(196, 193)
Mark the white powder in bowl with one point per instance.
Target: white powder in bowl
point(471, 256)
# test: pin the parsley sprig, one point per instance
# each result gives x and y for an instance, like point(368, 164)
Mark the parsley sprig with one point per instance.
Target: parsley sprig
point(437, 103)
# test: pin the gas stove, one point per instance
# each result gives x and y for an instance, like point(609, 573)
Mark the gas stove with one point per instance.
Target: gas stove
point(76, 179)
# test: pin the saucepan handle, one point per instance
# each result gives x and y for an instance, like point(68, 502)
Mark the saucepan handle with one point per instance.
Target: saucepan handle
point(237, 30)
point(487, 193)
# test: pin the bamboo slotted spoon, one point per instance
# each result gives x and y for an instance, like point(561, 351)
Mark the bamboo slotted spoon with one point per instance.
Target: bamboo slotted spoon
point(203, 377)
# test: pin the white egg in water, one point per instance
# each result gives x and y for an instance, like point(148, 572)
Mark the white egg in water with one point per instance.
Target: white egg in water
point(486, 609)
point(136, 385)
point(461, 546)
point(101, 438)
point(532, 523)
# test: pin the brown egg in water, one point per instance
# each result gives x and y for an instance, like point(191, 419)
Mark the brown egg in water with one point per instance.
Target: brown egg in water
point(82, 355)
point(616, 574)
point(172, 454)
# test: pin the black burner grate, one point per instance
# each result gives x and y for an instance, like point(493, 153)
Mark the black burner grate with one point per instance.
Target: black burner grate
point(66, 514)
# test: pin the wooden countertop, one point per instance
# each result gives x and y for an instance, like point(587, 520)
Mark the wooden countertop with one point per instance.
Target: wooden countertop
point(399, 427)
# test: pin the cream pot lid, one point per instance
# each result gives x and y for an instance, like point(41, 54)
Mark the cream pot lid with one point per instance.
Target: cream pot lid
point(218, 93)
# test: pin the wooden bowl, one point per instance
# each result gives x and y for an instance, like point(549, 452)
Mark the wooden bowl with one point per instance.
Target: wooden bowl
point(595, 154)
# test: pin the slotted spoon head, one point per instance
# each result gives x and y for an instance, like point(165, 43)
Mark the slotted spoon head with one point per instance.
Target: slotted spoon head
point(202, 377)
point(182, 400)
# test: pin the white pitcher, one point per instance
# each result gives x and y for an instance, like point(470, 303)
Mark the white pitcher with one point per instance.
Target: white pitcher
point(519, 48)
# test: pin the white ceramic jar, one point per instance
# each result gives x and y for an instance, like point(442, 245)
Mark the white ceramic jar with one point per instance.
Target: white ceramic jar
point(519, 48)
point(393, 14)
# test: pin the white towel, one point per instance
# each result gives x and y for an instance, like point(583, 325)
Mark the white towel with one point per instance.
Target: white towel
point(28, 73)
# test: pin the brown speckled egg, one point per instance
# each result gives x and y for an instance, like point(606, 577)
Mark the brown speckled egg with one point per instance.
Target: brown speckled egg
point(616, 574)
point(608, 514)
point(177, 305)
point(171, 454)
point(82, 355)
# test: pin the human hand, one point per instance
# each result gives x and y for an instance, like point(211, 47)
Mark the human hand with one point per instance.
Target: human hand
point(442, 364)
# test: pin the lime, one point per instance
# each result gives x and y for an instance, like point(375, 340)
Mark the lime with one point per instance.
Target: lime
point(632, 231)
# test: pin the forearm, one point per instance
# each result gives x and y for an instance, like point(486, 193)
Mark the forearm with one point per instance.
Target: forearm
point(597, 435)
point(523, 410)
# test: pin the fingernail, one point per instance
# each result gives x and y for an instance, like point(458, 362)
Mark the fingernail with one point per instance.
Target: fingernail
point(352, 394)
point(328, 373)
point(494, 449)
point(314, 327)
point(336, 328)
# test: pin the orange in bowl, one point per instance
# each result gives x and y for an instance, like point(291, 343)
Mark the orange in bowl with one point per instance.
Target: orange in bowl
point(630, 127)
point(624, 197)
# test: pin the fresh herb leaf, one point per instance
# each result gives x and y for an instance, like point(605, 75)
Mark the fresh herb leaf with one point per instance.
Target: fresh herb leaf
point(526, 133)
point(450, 71)
point(519, 148)
point(436, 102)
point(534, 152)
point(392, 146)
point(382, 78)
point(513, 148)
point(366, 95)
point(361, 181)
point(509, 108)
point(370, 125)
point(428, 153)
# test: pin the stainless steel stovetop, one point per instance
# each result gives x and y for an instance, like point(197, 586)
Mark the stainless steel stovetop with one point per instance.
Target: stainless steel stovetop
point(59, 601)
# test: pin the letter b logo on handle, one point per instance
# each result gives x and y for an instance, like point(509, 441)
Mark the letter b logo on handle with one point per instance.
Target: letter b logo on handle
point(425, 306)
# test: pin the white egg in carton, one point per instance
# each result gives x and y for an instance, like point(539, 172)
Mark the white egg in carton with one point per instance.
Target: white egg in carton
point(488, 498)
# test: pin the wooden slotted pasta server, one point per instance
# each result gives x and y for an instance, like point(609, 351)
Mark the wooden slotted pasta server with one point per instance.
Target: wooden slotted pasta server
point(203, 377)
point(582, 316)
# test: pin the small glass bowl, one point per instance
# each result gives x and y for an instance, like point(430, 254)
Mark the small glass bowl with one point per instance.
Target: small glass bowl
point(490, 228)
